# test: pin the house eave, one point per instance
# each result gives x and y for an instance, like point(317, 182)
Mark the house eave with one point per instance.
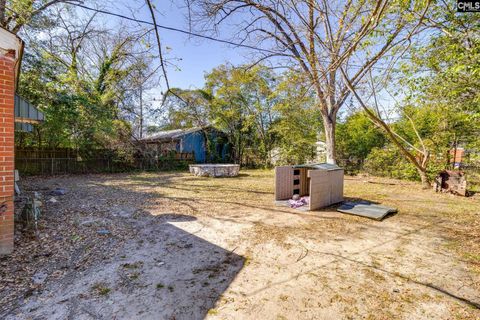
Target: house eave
point(11, 42)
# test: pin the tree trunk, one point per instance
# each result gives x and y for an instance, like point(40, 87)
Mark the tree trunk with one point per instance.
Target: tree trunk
point(423, 176)
point(329, 128)
point(409, 155)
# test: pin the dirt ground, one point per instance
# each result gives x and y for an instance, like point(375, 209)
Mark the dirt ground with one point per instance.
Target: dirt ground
point(173, 246)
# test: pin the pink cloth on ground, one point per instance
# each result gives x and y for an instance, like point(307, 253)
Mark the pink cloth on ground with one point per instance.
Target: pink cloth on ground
point(298, 203)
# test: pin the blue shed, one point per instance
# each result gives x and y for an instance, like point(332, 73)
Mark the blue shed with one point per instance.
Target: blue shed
point(206, 144)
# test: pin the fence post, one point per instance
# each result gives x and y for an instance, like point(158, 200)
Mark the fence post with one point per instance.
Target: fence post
point(52, 167)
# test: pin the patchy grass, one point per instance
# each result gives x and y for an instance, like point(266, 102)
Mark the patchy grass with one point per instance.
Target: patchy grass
point(134, 276)
point(422, 263)
point(101, 289)
point(458, 217)
point(425, 221)
point(212, 312)
point(135, 265)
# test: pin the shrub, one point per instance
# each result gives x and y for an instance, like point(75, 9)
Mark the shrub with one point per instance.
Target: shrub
point(388, 162)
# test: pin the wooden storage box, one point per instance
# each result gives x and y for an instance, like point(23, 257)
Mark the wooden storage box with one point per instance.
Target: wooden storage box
point(322, 182)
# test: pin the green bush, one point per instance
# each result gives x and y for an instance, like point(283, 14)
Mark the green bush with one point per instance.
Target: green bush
point(388, 162)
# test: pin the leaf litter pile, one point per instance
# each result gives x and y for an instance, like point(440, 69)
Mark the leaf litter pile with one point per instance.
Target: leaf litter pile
point(75, 230)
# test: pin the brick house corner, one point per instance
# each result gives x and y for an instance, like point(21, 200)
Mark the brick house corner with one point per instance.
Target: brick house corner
point(11, 48)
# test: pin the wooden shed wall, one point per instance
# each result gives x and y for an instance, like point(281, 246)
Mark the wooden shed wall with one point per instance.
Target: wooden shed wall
point(336, 177)
point(319, 189)
point(326, 188)
point(304, 185)
point(283, 182)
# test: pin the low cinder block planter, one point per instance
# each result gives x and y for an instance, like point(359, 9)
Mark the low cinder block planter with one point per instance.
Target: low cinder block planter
point(215, 170)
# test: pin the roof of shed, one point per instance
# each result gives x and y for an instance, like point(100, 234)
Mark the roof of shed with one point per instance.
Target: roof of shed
point(170, 134)
point(321, 166)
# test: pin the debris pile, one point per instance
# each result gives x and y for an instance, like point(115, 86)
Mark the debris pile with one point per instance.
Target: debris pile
point(451, 181)
point(74, 231)
point(297, 201)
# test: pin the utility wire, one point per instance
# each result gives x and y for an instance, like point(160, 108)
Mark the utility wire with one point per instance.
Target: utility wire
point(198, 35)
point(171, 28)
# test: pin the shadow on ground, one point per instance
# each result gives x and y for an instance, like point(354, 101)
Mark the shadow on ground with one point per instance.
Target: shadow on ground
point(164, 273)
point(164, 270)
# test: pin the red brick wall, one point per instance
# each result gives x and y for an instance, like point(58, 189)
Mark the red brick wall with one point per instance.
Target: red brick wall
point(7, 89)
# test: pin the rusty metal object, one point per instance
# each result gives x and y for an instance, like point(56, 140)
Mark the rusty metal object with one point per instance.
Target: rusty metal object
point(452, 182)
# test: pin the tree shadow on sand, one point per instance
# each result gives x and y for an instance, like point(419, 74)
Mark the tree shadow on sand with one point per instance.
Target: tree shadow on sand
point(164, 273)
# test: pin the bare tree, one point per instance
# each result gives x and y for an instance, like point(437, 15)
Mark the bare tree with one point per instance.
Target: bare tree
point(319, 38)
point(418, 156)
point(15, 14)
point(163, 61)
point(415, 150)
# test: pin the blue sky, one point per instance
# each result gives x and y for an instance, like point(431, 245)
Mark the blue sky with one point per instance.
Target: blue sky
point(197, 55)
